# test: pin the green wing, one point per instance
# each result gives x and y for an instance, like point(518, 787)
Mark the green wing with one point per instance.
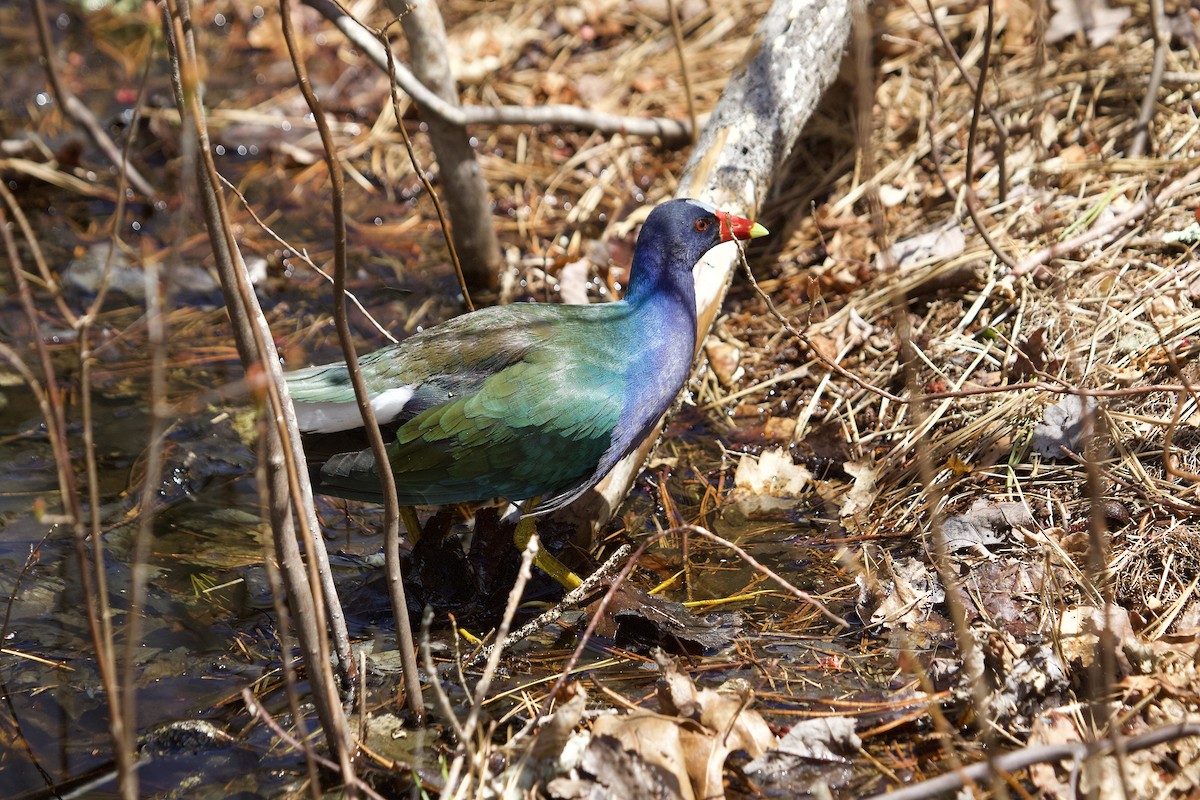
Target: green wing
point(535, 427)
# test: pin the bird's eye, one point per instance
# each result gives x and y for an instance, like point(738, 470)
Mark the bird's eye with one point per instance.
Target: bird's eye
point(702, 224)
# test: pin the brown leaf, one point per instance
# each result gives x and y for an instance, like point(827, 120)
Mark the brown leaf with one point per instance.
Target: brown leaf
point(649, 738)
point(554, 733)
point(635, 617)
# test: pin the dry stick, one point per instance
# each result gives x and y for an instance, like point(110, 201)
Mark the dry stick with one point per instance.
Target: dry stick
point(387, 480)
point(156, 329)
point(569, 600)
point(1021, 759)
point(670, 131)
point(973, 202)
point(439, 694)
point(1135, 212)
point(289, 488)
point(425, 182)
point(77, 111)
point(677, 33)
point(282, 622)
point(979, 86)
point(39, 259)
point(1001, 128)
point(473, 236)
point(465, 747)
point(54, 414)
point(1158, 25)
point(1101, 673)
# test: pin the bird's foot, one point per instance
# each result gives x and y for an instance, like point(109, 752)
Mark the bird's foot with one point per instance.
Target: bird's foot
point(547, 563)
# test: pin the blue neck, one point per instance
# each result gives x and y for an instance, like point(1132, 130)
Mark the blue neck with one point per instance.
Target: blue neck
point(652, 281)
point(661, 339)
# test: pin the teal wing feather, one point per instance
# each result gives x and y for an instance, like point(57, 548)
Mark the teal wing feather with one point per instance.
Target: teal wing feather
point(537, 425)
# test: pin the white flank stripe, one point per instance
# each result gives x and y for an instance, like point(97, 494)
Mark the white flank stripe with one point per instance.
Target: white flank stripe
point(334, 417)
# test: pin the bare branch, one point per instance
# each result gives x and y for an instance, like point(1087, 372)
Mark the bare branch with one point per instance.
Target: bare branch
point(669, 130)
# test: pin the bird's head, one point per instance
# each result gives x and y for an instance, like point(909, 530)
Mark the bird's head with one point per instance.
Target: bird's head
point(676, 235)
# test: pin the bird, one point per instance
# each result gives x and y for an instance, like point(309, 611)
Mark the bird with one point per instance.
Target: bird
point(526, 401)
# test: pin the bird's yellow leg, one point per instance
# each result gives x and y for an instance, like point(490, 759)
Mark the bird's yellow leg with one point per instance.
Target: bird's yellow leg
point(413, 525)
point(547, 563)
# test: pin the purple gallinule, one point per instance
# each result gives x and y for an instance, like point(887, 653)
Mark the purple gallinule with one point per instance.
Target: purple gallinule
point(523, 401)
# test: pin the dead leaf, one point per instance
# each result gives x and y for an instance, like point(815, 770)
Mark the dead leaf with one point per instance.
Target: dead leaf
point(1062, 427)
point(1093, 17)
point(686, 744)
point(1079, 634)
point(815, 752)
point(1035, 680)
point(1033, 354)
point(573, 282)
point(903, 595)
point(984, 524)
point(821, 739)
point(728, 725)
point(940, 244)
point(650, 739)
point(862, 494)
point(554, 733)
point(1053, 728)
point(634, 617)
point(1021, 19)
point(725, 360)
point(769, 481)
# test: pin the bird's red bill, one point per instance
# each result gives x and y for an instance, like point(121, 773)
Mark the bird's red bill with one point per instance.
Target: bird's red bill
point(735, 227)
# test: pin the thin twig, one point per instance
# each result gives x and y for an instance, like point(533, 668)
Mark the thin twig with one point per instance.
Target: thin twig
point(484, 683)
point(972, 199)
point(1001, 128)
point(255, 709)
point(570, 600)
point(387, 479)
point(1044, 754)
point(74, 108)
point(425, 182)
point(1158, 24)
point(677, 33)
point(49, 281)
point(439, 694)
point(265, 228)
point(1133, 214)
point(283, 628)
point(156, 325)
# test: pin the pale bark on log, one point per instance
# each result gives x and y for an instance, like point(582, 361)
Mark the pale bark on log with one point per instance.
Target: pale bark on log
point(792, 59)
